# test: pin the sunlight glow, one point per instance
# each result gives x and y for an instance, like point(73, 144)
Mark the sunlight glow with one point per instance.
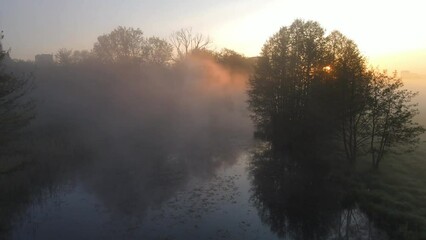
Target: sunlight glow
point(327, 69)
point(375, 32)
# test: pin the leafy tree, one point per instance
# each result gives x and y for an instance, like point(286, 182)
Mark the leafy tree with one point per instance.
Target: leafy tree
point(80, 56)
point(15, 110)
point(391, 114)
point(233, 60)
point(128, 45)
point(64, 56)
point(121, 45)
point(347, 70)
point(157, 51)
point(309, 87)
point(291, 62)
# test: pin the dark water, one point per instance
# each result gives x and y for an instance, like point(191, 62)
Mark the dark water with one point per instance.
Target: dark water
point(115, 173)
point(129, 205)
point(216, 207)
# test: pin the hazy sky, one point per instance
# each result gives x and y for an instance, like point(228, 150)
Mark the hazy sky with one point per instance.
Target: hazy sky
point(43, 26)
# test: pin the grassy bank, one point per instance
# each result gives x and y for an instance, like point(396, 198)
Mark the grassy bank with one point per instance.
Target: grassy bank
point(395, 196)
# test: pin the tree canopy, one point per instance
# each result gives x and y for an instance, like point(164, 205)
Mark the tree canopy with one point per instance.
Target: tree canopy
point(128, 45)
point(309, 85)
point(15, 109)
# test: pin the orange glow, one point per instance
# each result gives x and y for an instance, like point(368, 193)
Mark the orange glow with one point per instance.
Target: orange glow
point(327, 69)
point(216, 78)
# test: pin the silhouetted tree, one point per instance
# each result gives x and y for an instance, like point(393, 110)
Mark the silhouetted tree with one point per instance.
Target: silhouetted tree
point(185, 42)
point(121, 45)
point(128, 45)
point(15, 111)
point(3, 53)
point(391, 114)
point(300, 201)
point(157, 51)
point(64, 56)
point(309, 87)
point(233, 60)
point(348, 72)
point(291, 63)
point(80, 56)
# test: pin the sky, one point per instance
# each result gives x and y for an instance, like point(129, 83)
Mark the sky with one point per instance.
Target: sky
point(380, 28)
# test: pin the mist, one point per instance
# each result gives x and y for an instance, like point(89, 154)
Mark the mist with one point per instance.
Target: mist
point(169, 138)
point(143, 125)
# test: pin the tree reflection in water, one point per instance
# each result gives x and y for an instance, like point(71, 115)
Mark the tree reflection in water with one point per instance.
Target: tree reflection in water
point(300, 197)
point(125, 137)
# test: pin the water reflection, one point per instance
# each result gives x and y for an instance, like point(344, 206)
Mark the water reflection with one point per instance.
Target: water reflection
point(130, 186)
point(300, 197)
point(128, 144)
point(125, 168)
point(126, 182)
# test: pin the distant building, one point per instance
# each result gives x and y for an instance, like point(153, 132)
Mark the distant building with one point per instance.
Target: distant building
point(44, 59)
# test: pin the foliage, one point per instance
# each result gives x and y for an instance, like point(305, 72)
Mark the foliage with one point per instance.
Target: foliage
point(80, 56)
point(157, 51)
point(307, 85)
point(350, 78)
point(233, 60)
point(128, 45)
point(64, 56)
point(295, 88)
point(289, 73)
point(15, 108)
point(122, 44)
point(391, 116)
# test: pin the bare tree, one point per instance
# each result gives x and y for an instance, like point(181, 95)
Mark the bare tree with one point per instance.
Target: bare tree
point(185, 41)
point(391, 114)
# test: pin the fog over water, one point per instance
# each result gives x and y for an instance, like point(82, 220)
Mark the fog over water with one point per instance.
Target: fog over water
point(158, 153)
point(133, 137)
point(150, 138)
point(146, 120)
point(155, 152)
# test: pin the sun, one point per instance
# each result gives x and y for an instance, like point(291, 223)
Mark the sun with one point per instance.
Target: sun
point(327, 69)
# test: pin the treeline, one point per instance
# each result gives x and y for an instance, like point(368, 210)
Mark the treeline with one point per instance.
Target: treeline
point(170, 111)
point(129, 46)
point(309, 86)
point(146, 87)
point(325, 117)
point(122, 57)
